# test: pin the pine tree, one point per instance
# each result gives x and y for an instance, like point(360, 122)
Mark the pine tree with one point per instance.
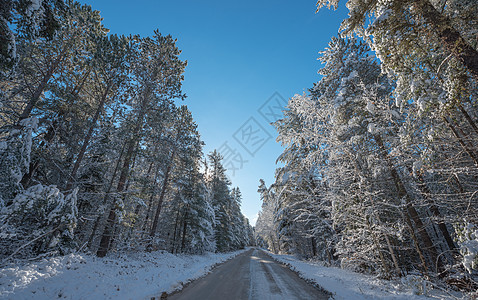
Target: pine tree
point(157, 59)
point(220, 200)
point(34, 19)
point(265, 228)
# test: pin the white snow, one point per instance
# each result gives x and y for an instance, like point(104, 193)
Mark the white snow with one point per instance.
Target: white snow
point(370, 107)
point(34, 6)
point(468, 242)
point(372, 128)
point(345, 284)
point(146, 275)
point(79, 276)
point(382, 17)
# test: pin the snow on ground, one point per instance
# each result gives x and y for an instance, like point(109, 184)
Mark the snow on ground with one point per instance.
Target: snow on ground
point(79, 276)
point(345, 284)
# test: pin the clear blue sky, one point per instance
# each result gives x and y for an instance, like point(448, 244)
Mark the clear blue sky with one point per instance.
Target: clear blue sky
point(240, 54)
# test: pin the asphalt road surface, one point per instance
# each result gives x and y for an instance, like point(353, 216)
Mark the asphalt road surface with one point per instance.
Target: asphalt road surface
point(250, 275)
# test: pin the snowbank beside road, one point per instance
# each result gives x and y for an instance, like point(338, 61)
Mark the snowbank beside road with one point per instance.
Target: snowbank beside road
point(134, 276)
point(345, 284)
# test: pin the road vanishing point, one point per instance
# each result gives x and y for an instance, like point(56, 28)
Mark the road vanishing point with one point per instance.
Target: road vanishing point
point(250, 275)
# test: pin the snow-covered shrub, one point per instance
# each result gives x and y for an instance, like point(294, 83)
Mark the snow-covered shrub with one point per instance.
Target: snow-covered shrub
point(15, 148)
point(40, 219)
point(417, 284)
point(37, 220)
point(467, 238)
point(355, 263)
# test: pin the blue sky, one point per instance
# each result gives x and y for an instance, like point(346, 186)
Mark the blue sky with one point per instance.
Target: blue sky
point(242, 56)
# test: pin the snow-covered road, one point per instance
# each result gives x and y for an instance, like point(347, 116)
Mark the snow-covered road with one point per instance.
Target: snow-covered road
point(121, 277)
point(251, 275)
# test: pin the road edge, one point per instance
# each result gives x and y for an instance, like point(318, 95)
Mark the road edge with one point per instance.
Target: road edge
point(293, 269)
point(165, 295)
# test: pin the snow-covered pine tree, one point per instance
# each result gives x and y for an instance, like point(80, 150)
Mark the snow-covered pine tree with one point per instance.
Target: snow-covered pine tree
point(109, 69)
point(157, 58)
point(50, 83)
point(34, 19)
point(220, 200)
point(266, 234)
point(238, 230)
point(38, 220)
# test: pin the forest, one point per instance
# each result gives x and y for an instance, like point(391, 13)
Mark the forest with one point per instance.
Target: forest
point(380, 160)
point(97, 153)
point(379, 170)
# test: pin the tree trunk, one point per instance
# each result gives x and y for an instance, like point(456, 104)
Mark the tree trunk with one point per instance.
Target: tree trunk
point(376, 242)
point(314, 247)
point(273, 244)
point(175, 230)
point(185, 224)
point(41, 87)
point(151, 198)
point(148, 213)
point(387, 239)
point(138, 206)
point(107, 233)
point(51, 134)
point(88, 136)
point(410, 209)
point(392, 254)
point(161, 196)
point(436, 213)
point(135, 137)
point(98, 219)
point(458, 183)
point(358, 167)
point(468, 118)
point(106, 236)
point(450, 37)
point(110, 221)
point(132, 144)
point(415, 242)
point(461, 140)
point(126, 165)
